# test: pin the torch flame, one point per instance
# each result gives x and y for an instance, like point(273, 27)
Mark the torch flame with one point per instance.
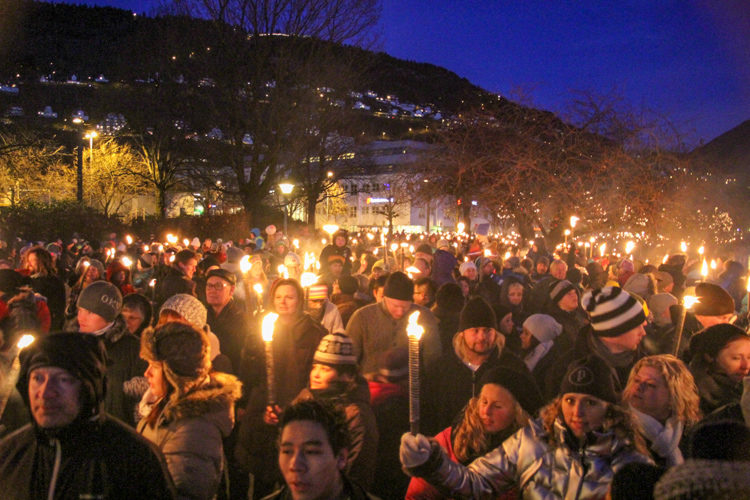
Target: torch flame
point(171, 239)
point(666, 257)
point(283, 271)
point(25, 341)
point(629, 246)
point(602, 249)
point(413, 329)
point(129, 240)
point(411, 270)
point(683, 246)
point(126, 262)
point(258, 288)
point(308, 279)
point(269, 321)
point(690, 301)
point(245, 264)
point(701, 249)
point(704, 269)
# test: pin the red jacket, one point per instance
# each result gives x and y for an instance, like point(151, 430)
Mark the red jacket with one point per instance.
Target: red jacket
point(419, 489)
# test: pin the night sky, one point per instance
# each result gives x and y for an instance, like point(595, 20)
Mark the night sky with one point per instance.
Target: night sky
point(686, 60)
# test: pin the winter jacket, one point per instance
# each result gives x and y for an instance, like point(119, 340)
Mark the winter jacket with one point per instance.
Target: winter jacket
point(450, 384)
point(173, 282)
point(53, 290)
point(374, 331)
point(586, 344)
point(331, 250)
point(231, 327)
point(419, 489)
point(99, 458)
point(125, 363)
point(189, 432)
point(541, 469)
point(363, 431)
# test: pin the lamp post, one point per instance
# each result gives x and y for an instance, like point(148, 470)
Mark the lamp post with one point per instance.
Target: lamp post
point(286, 190)
point(79, 171)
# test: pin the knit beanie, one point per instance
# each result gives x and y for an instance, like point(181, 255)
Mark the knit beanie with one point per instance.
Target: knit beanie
point(450, 298)
point(234, 254)
point(715, 338)
point(335, 349)
point(182, 348)
point(336, 258)
point(521, 385)
point(638, 284)
point(317, 292)
point(663, 279)
point(713, 300)
point(612, 311)
point(102, 298)
point(477, 313)
point(188, 307)
point(590, 375)
point(659, 304)
point(558, 290)
point(705, 479)
point(292, 260)
point(398, 286)
point(543, 327)
point(465, 266)
point(82, 355)
point(227, 276)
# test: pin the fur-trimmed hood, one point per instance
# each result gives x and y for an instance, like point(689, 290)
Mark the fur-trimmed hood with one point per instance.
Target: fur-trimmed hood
point(213, 400)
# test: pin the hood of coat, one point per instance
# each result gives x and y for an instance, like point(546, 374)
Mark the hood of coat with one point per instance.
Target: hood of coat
point(213, 400)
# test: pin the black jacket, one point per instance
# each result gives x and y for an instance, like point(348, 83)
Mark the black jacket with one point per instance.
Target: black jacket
point(231, 327)
point(100, 458)
point(450, 384)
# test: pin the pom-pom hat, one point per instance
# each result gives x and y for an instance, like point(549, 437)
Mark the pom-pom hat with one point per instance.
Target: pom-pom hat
point(334, 350)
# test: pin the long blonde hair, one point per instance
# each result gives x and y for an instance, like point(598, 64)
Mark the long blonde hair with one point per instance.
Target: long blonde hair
point(683, 393)
point(616, 419)
point(471, 440)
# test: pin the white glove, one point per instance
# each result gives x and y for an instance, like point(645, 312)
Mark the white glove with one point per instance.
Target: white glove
point(415, 450)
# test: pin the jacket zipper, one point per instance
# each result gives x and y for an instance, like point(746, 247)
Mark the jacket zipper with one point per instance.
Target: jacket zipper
point(584, 468)
point(55, 470)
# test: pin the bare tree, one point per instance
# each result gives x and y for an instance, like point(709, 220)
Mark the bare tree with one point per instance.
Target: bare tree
point(266, 61)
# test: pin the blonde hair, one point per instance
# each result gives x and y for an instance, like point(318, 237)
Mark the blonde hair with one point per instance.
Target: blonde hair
point(683, 393)
point(616, 419)
point(471, 440)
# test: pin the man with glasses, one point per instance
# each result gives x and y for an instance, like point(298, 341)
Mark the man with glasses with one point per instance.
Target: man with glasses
point(226, 315)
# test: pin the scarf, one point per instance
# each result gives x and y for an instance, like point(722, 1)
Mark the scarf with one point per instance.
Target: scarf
point(664, 439)
point(537, 354)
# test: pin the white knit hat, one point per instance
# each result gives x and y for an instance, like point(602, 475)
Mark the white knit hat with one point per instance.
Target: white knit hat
point(543, 327)
point(188, 307)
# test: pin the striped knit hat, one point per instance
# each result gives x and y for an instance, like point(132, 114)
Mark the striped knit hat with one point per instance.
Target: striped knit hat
point(559, 289)
point(335, 349)
point(317, 292)
point(612, 311)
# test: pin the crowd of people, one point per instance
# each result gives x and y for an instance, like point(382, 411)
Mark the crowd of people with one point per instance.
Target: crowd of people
point(543, 375)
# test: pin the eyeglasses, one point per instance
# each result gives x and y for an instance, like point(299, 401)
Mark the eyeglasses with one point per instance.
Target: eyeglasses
point(216, 286)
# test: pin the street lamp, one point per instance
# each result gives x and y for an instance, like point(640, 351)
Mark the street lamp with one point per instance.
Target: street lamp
point(286, 190)
point(79, 173)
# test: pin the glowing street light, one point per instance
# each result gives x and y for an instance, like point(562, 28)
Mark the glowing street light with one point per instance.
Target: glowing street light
point(286, 190)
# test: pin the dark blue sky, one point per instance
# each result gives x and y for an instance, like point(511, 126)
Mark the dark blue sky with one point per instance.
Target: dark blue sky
point(687, 60)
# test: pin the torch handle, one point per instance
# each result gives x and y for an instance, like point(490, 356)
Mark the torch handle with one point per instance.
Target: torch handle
point(414, 384)
point(269, 374)
point(678, 330)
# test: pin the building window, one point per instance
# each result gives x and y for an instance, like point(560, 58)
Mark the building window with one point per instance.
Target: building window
point(352, 211)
